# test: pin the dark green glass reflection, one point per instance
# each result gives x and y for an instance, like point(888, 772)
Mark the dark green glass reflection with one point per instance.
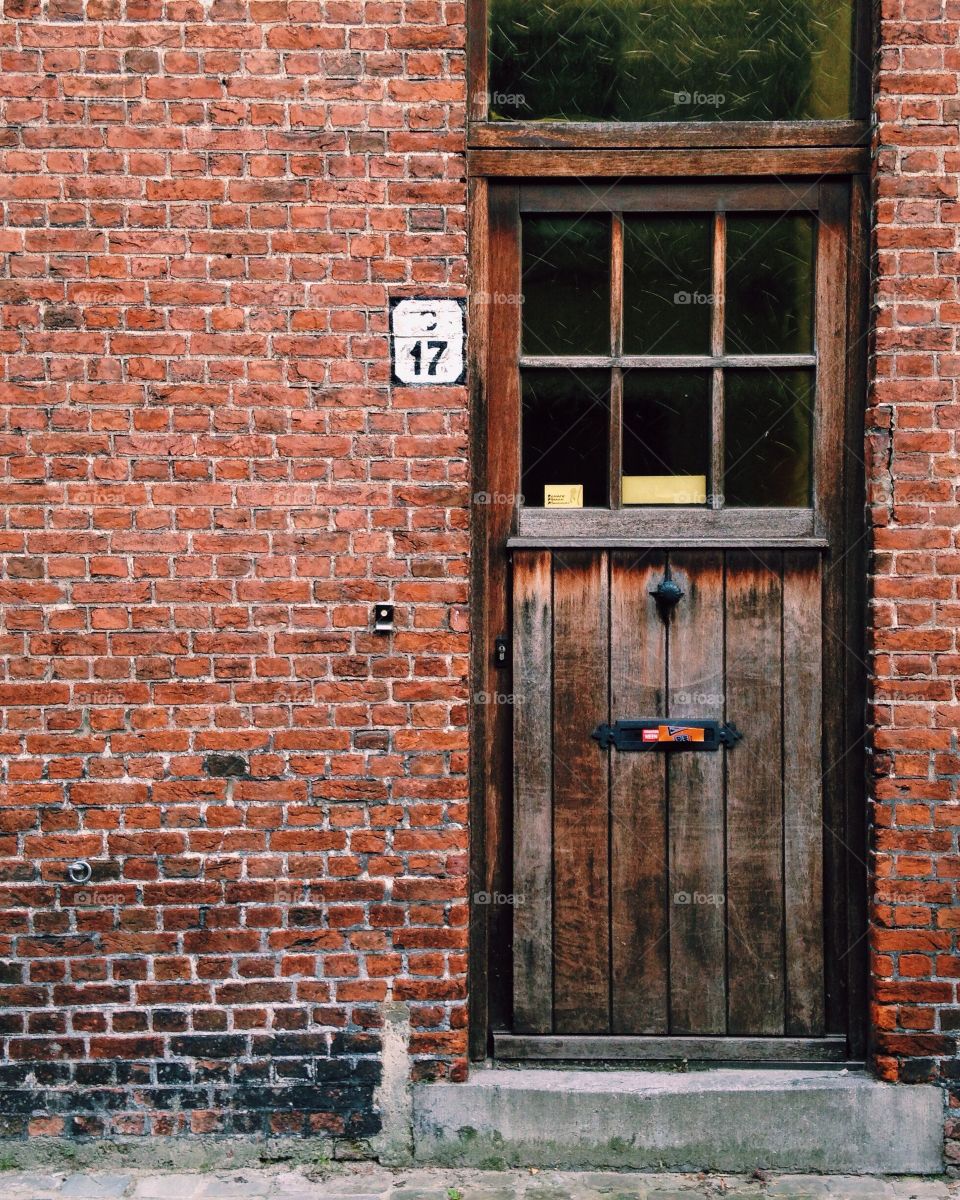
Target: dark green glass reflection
point(566, 285)
point(566, 434)
point(667, 285)
point(768, 438)
point(770, 285)
point(671, 60)
point(666, 428)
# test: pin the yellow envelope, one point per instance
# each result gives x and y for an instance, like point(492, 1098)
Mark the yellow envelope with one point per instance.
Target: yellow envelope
point(664, 489)
point(563, 495)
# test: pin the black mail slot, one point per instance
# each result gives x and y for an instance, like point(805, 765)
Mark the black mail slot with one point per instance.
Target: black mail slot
point(655, 733)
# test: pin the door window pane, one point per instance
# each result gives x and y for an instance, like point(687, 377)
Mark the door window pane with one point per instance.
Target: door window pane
point(770, 272)
point(666, 437)
point(769, 418)
point(666, 453)
point(566, 285)
point(671, 60)
point(566, 436)
point(667, 285)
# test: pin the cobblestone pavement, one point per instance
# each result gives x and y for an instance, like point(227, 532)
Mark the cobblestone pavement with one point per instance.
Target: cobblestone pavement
point(366, 1182)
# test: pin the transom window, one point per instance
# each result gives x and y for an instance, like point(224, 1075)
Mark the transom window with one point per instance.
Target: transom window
point(668, 359)
point(671, 60)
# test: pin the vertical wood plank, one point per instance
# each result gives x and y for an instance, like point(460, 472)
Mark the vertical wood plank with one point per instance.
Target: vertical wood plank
point(832, 384)
point(477, 71)
point(495, 396)
point(863, 51)
point(755, 942)
point(638, 842)
point(802, 793)
point(532, 799)
point(581, 935)
point(695, 785)
point(831, 321)
point(854, 586)
point(482, 857)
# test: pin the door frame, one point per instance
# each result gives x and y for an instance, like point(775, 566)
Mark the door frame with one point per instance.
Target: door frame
point(493, 354)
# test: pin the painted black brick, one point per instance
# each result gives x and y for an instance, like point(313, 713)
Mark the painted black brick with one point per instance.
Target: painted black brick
point(173, 1073)
point(355, 1043)
point(95, 1074)
point(213, 1071)
point(289, 1045)
point(208, 1046)
point(315, 1093)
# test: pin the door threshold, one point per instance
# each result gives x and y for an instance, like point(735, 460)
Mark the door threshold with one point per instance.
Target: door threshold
point(755, 1051)
point(681, 1066)
point(791, 1120)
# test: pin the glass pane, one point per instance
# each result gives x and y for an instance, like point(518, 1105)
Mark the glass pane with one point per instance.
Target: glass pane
point(667, 285)
point(666, 437)
point(770, 276)
point(566, 285)
point(768, 438)
point(671, 60)
point(566, 437)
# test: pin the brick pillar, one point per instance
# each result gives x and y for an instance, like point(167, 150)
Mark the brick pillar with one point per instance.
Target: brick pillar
point(913, 468)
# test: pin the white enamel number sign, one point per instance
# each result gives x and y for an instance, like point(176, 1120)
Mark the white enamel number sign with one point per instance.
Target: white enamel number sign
point(427, 337)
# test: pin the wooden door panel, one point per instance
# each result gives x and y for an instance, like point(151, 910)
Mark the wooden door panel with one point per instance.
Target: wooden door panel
point(803, 793)
point(532, 793)
point(674, 894)
point(698, 1000)
point(754, 795)
point(581, 927)
point(639, 915)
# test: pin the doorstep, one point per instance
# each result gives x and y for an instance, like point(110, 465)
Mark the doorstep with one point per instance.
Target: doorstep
point(726, 1119)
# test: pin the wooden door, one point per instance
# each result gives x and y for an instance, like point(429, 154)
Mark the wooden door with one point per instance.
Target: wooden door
point(673, 892)
point(676, 901)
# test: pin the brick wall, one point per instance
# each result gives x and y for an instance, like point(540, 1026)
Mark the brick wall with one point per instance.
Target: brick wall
point(206, 482)
point(913, 420)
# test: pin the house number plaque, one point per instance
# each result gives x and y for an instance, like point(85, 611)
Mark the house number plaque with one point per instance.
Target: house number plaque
point(427, 340)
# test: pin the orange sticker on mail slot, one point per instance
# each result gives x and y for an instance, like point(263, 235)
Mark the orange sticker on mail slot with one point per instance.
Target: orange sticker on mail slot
point(674, 733)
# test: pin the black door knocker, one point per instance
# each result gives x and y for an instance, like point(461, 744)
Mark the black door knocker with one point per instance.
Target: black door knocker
point(668, 594)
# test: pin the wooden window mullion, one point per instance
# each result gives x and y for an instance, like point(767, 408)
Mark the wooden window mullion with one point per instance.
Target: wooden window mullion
point(616, 349)
point(717, 349)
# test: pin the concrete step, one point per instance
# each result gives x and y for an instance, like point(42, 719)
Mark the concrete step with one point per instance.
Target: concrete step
point(717, 1120)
